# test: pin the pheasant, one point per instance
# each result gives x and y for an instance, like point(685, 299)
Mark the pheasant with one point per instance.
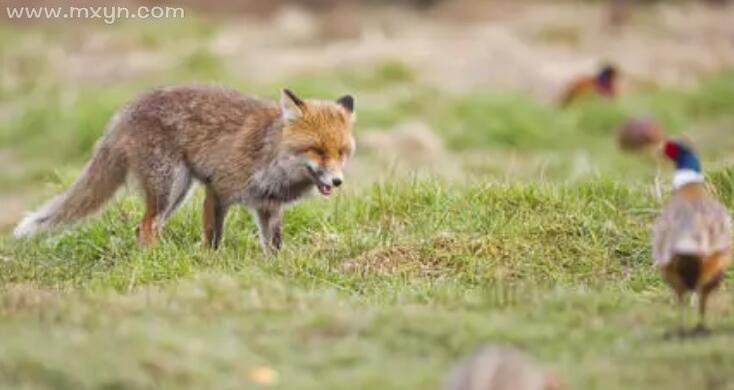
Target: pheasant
point(602, 84)
point(692, 238)
point(639, 134)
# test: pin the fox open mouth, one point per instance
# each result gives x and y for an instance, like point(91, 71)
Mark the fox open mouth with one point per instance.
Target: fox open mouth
point(324, 188)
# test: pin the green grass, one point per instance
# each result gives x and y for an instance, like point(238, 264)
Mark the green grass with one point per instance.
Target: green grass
point(385, 285)
point(382, 288)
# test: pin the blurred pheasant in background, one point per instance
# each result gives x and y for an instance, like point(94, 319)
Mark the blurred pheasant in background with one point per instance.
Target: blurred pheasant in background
point(639, 134)
point(601, 84)
point(692, 238)
point(500, 368)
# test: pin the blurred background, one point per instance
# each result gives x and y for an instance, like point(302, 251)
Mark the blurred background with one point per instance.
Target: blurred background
point(381, 286)
point(463, 89)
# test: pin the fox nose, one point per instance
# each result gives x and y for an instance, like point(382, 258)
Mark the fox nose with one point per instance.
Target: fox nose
point(337, 181)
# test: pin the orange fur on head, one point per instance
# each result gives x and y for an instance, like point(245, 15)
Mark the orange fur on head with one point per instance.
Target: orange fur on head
point(321, 129)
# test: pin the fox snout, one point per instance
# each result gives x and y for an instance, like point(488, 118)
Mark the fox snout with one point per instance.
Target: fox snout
point(334, 178)
point(326, 177)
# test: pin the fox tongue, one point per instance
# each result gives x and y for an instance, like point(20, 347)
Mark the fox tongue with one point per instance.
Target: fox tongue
point(324, 189)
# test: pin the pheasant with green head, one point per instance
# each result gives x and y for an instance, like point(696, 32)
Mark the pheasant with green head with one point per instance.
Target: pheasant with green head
point(692, 239)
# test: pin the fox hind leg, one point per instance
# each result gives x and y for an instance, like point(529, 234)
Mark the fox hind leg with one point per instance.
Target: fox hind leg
point(164, 189)
point(147, 230)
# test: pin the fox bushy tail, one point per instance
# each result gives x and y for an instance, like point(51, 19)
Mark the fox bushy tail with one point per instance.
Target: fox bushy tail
point(104, 173)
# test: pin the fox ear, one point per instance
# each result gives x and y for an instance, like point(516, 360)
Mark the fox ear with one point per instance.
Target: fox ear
point(347, 101)
point(291, 105)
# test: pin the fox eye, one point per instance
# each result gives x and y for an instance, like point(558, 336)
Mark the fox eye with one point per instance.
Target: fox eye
point(318, 151)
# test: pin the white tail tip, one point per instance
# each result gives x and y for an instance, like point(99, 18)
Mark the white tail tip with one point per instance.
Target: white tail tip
point(28, 226)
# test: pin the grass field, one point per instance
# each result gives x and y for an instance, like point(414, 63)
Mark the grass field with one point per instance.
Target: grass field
point(387, 283)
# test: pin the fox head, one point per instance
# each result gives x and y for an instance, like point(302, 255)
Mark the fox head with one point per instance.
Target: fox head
point(318, 135)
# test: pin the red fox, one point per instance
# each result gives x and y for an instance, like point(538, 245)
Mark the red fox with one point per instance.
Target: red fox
point(242, 149)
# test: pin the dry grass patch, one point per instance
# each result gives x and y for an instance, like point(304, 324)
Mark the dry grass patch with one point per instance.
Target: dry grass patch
point(440, 255)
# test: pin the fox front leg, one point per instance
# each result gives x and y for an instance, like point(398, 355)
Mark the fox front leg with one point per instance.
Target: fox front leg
point(214, 213)
point(269, 223)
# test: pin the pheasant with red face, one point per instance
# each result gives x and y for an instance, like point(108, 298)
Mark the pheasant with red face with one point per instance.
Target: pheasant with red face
point(692, 239)
point(602, 84)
